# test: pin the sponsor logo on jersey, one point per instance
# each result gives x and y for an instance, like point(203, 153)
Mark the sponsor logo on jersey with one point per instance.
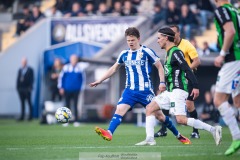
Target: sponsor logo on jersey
point(172, 104)
point(134, 62)
point(149, 97)
point(140, 55)
point(166, 71)
point(178, 59)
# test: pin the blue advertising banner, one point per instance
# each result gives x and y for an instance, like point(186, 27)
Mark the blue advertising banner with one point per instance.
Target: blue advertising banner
point(63, 52)
point(98, 29)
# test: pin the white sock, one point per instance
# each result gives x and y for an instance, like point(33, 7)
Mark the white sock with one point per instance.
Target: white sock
point(199, 124)
point(228, 116)
point(150, 123)
point(109, 132)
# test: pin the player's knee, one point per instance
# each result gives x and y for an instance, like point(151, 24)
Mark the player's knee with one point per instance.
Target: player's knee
point(121, 111)
point(220, 98)
point(148, 110)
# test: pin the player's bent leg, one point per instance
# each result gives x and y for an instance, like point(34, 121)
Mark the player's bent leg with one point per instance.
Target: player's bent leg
point(228, 116)
point(215, 131)
point(150, 119)
point(193, 114)
point(115, 122)
point(168, 123)
point(162, 132)
point(117, 117)
point(150, 123)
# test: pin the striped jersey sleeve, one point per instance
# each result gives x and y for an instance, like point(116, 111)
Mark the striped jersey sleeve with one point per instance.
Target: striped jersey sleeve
point(120, 59)
point(222, 15)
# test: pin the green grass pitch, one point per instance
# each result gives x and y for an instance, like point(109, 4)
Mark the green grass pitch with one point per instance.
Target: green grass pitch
point(32, 141)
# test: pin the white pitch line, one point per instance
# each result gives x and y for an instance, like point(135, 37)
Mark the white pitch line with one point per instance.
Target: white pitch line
point(103, 147)
point(195, 154)
point(100, 147)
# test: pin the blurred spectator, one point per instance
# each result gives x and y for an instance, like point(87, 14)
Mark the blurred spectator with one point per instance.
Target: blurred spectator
point(206, 49)
point(162, 3)
point(24, 87)
point(188, 21)
point(188, 2)
point(76, 11)
point(64, 6)
point(23, 24)
point(53, 80)
point(206, 10)
point(117, 9)
point(102, 9)
point(136, 2)
point(36, 15)
point(172, 13)
point(89, 9)
point(146, 7)
point(70, 84)
point(159, 14)
point(6, 4)
point(53, 12)
point(129, 9)
point(237, 4)
point(194, 43)
point(209, 113)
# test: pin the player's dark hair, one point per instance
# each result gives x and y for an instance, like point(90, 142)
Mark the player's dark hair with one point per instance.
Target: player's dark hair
point(132, 31)
point(168, 32)
point(175, 26)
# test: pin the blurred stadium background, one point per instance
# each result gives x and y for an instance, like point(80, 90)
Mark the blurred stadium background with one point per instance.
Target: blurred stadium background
point(43, 30)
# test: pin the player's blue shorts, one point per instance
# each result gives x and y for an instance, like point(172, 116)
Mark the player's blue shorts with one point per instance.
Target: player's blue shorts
point(131, 97)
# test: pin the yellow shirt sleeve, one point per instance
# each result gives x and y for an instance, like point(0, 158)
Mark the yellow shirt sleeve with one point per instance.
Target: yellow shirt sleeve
point(188, 49)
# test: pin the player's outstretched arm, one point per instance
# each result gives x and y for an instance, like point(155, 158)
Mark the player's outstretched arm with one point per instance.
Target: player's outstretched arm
point(108, 74)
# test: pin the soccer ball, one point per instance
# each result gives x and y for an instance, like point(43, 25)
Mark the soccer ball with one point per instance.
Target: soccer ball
point(63, 114)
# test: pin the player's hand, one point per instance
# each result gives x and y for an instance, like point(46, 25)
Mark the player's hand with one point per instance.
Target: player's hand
point(195, 93)
point(219, 61)
point(162, 87)
point(94, 84)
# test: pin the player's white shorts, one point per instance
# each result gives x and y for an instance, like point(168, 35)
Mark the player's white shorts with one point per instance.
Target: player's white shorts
point(229, 78)
point(175, 99)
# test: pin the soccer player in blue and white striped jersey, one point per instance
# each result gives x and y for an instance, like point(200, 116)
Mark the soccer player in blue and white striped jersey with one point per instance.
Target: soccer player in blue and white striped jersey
point(138, 61)
point(138, 65)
